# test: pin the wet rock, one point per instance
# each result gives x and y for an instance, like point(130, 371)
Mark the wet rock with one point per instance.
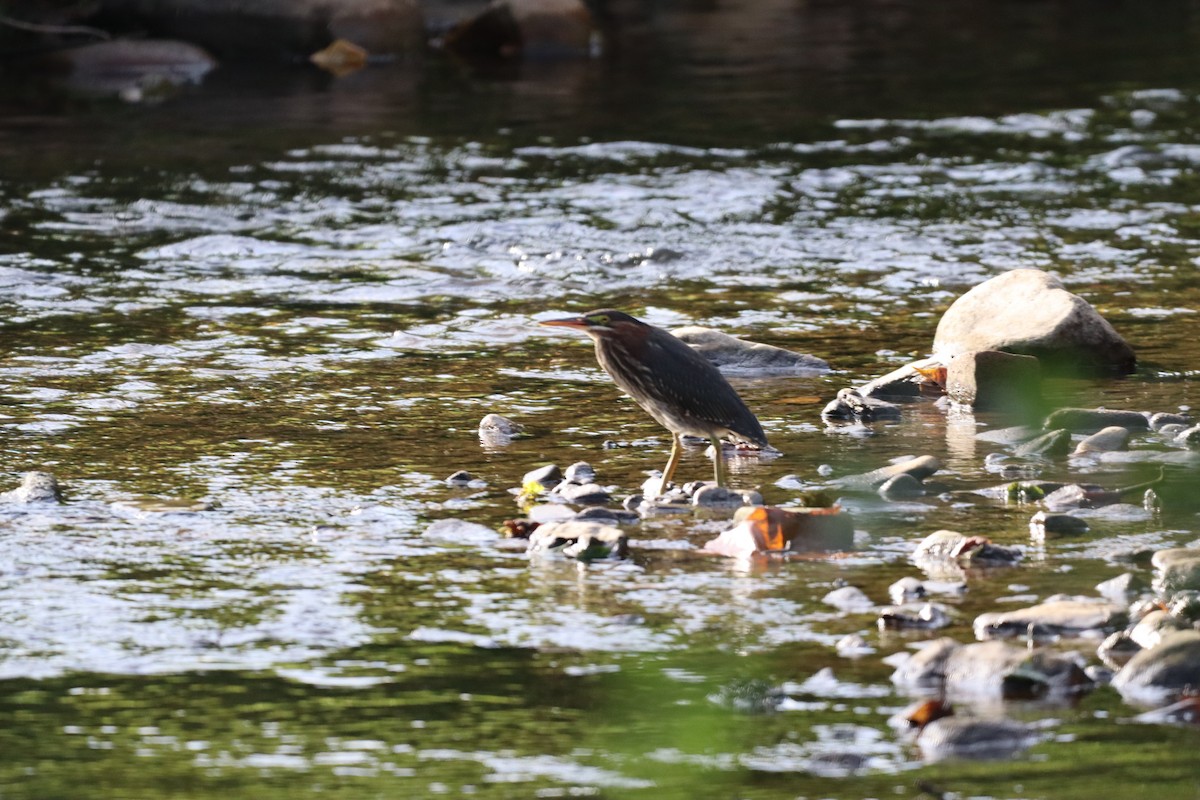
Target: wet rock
point(496, 431)
point(739, 357)
point(1009, 436)
point(1164, 673)
point(1176, 569)
point(1189, 436)
point(1028, 311)
point(1161, 419)
point(508, 29)
point(495, 423)
point(465, 479)
point(709, 495)
point(580, 472)
point(1105, 440)
point(992, 380)
point(585, 541)
point(914, 616)
point(1184, 712)
point(1090, 420)
point(906, 590)
point(1052, 443)
point(142, 506)
point(278, 29)
point(989, 670)
point(1121, 588)
point(901, 487)
point(1051, 619)
point(953, 548)
point(910, 381)
point(546, 477)
point(919, 468)
point(850, 599)
point(36, 487)
point(763, 529)
point(1042, 523)
point(1151, 628)
point(587, 494)
point(1185, 605)
point(1090, 495)
point(606, 516)
point(850, 405)
point(1116, 650)
point(943, 735)
point(134, 69)
point(458, 531)
point(853, 645)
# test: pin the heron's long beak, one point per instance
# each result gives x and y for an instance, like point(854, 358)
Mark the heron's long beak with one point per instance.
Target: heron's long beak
point(570, 322)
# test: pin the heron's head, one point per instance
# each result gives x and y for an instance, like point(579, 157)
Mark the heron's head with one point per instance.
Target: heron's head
point(602, 324)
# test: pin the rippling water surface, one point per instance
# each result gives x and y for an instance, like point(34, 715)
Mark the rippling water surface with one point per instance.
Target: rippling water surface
point(252, 355)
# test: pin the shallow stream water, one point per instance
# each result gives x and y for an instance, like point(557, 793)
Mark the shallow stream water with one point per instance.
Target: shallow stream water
point(288, 301)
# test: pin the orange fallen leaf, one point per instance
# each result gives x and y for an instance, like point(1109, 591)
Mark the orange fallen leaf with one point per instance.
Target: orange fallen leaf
point(801, 400)
point(340, 58)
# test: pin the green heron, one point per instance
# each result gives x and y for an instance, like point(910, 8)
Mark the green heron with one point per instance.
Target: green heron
point(673, 383)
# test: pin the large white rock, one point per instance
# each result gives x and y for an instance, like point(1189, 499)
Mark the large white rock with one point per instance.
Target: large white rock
point(1029, 311)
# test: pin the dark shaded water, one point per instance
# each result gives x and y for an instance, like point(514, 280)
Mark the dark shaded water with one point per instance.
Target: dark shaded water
point(295, 297)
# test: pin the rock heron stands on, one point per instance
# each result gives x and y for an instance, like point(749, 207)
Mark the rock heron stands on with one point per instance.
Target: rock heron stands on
point(677, 386)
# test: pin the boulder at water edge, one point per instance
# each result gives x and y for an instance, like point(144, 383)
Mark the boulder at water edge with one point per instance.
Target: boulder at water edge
point(1030, 312)
point(737, 356)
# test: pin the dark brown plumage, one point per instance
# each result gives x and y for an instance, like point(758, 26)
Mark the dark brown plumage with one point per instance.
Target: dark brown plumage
point(677, 386)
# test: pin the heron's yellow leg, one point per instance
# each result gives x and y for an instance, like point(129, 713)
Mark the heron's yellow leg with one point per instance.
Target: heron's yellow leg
point(718, 460)
point(672, 462)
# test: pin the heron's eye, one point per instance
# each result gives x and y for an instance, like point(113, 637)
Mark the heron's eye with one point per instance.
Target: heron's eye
point(599, 319)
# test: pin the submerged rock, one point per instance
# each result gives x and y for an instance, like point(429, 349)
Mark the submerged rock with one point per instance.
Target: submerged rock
point(1090, 420)
point(740, 357)
point(1030, 312)
point(36, 487)
point(1161, 419)
point(1164, 673)
point(1184, 712)
point(943, 735)
point(901, 487)
point(850, 599)
point(134, 69)
point(1052, 443)
point(919, 468)
point(458, 531)
point(1105, 440)
point(1052, 619)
